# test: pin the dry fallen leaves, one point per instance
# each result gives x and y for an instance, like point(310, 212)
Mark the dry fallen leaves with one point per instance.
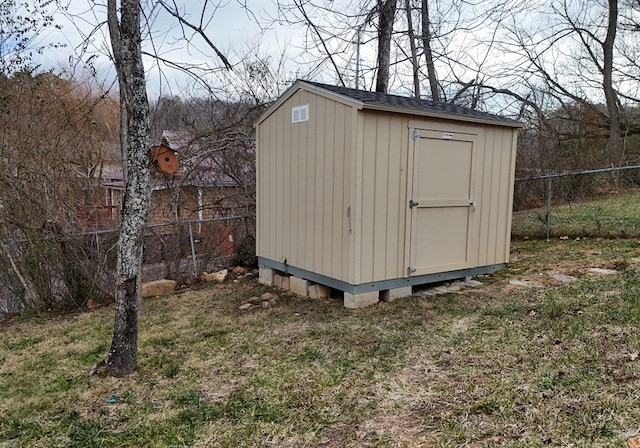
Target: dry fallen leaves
point(633, 442)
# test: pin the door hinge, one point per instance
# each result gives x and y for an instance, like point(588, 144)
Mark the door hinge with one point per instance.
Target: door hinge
point(410, 270)
point(416, 135)
point(413, 203)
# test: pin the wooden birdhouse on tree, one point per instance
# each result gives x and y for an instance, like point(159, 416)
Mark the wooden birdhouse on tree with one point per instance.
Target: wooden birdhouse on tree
point(164, 159)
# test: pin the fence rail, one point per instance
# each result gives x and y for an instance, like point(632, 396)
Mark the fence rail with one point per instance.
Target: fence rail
point(192, 246)
point(172, 250)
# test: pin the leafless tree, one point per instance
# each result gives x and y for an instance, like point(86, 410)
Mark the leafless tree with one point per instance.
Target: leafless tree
point(54, 139)
point(126, 42)
point(570, 55)
point(386, 19)
point(427, 40)
point(412, 45)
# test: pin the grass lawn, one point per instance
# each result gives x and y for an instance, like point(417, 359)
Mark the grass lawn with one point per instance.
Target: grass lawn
point(556, 364)
point(614, 215)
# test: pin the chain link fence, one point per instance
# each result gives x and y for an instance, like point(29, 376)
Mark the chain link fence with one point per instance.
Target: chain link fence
point(546, 192)
point(80, 267)
point(184, 248)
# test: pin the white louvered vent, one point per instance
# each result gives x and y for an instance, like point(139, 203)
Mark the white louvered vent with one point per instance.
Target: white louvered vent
point(300, 113)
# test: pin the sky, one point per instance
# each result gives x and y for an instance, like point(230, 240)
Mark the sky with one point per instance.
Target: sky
point(234, 29)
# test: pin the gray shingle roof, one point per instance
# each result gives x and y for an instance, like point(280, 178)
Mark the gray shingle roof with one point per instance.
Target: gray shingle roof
point(383, 100)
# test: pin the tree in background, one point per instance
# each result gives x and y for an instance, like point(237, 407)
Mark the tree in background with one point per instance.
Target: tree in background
point(55, 134)
point(21, 25)
point(386, 17)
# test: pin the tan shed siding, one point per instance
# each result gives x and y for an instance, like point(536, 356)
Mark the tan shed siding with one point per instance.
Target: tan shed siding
point(381, 217)
point(475, 240)
point(332, 191)
point(384, 148)
point(287, 192)
point(260, 188)
point(321, 148)
point(366, 199)
point(304, 186)
point(398, 202)
point(506, 181)
point(339, 177)
point(496, 192)
point(486, 203)
point(512, 176)
point(262, 228)
point(299, 146)
point(290, 222)
point(327, 177)
point(355, 200)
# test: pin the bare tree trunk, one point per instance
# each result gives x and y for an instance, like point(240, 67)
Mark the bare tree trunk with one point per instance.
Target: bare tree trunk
point(615, 131)
point(414, 54)
point(387, 11)
point(428, 54)
point(126, 44)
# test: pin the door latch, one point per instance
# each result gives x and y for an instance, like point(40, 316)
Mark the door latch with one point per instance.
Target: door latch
point(472, 203)
point(413, 203)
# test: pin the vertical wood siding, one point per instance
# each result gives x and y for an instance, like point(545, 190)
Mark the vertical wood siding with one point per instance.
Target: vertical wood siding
point(381, 204)
point(332, 191)
point(303, 186)
point(497, 192)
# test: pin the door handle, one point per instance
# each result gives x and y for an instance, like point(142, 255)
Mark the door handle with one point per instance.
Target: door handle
point(472, 203)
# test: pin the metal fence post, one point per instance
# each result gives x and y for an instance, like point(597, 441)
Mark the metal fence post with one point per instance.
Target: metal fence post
point(193, 250)
point(548, 218)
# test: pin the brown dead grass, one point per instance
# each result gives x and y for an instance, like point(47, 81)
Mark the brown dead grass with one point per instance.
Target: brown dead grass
point(498, 365)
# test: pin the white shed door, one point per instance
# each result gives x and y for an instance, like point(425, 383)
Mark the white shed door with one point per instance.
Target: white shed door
point(442, 205)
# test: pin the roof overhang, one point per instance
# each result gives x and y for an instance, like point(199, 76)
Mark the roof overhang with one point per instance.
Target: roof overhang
point(360, 105)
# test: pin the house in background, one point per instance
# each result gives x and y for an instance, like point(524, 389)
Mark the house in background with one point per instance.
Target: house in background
point(205, 186)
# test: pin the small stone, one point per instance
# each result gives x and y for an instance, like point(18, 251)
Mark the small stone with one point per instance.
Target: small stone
point(319, 291)
point(601, 271)
point(245, 306)
point(524, 283)
point(266, 304)
point(564, 278)
point(158, 288)
point(473, 283)
point(267, 296)
point(636, 260)
point(427, 293)
point(239, 271)
point(564, 238)
point(219, 276)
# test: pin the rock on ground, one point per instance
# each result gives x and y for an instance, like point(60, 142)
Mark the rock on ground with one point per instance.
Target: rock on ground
point(158, 288)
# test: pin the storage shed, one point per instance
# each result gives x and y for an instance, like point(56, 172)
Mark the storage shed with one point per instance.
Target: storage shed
point(371, 194)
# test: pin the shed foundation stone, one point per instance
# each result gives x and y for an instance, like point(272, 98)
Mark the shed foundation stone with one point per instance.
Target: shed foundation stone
point(354, 301)
point(390, 295)
point(299, 285)
point(266, 276)
point(319, 291)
